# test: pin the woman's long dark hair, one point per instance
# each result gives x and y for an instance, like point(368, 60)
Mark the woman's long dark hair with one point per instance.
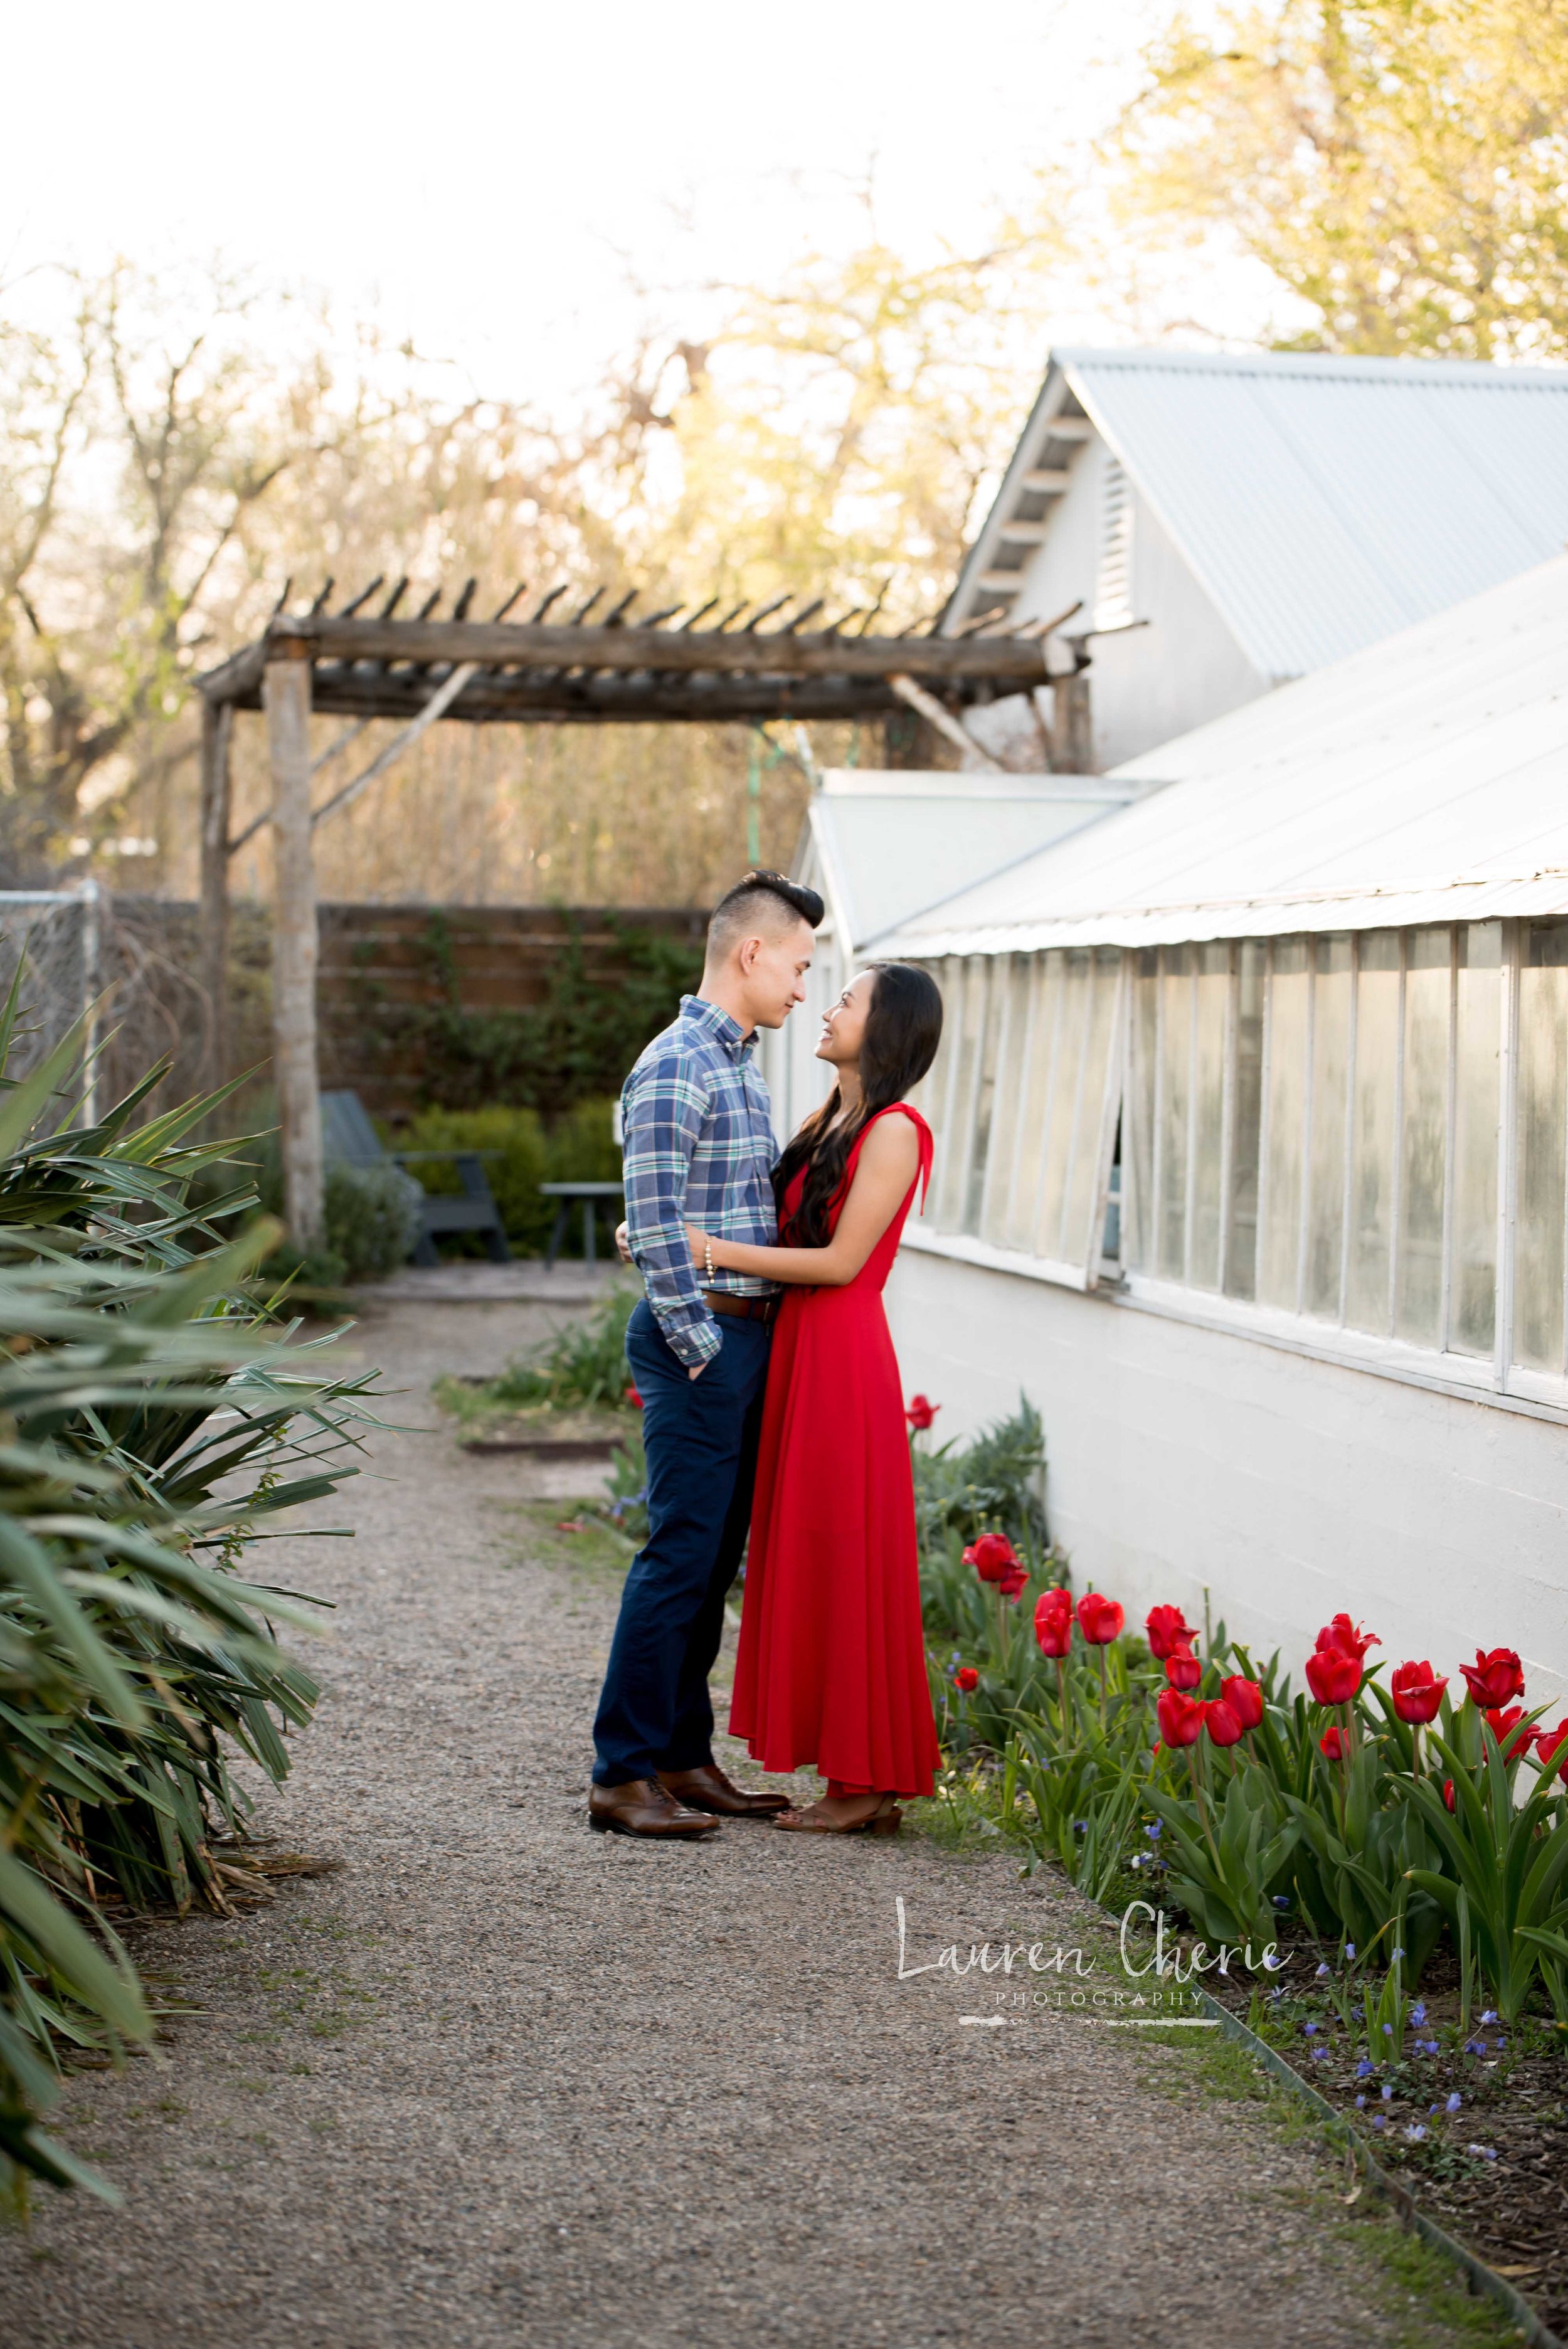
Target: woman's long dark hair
point(903, 1028)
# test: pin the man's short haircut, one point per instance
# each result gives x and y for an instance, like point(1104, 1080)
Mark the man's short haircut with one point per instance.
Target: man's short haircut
point(762, 903)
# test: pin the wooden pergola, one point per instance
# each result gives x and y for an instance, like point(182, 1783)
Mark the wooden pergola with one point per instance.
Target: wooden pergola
point(747, 665)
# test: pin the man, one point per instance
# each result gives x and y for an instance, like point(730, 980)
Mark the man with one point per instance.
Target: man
point(698, 1147)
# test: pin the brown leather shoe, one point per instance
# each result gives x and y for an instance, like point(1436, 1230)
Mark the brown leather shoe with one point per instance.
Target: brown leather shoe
point(707, 1789)
point(642, 1807)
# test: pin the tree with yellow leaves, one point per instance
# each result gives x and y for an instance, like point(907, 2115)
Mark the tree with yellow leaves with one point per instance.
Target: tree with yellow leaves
point(1399, 165)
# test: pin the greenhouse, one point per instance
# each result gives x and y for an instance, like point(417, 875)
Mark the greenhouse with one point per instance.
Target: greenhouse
point(1281, 1050)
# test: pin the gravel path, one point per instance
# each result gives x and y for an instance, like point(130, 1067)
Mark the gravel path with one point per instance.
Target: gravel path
point(501, 2080)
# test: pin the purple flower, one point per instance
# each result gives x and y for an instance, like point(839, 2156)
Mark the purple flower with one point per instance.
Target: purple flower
point(1282, 1900)
point(1454, 2102)
point(1350, 1948)
point(1320, 2055)
point(1153, 1831)
point(1360, 2102)
point(1487, 2152)
point(1419, 2011)
point(1364, 2070)
point(1322, 1971)
point(1378, 2121)
point(1308, 2028)
point(1387, 2094)
point(1416, 2132)
point(1489, 2015)
point(1388, 2031)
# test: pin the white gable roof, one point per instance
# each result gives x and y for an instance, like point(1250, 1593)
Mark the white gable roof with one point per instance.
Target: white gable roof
point(1425, 779)
point(1322, 503)
point(890, 844)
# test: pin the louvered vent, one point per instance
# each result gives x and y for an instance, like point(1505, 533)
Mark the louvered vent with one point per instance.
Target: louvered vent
point(1113, 595)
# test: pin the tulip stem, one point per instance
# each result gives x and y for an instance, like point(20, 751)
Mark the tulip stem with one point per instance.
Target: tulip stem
point(1195, 1766)
point(1099, 1652)
point(1062, 1697)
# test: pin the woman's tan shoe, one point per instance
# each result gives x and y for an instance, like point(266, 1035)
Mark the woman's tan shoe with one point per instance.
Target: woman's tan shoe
point(885, 1820)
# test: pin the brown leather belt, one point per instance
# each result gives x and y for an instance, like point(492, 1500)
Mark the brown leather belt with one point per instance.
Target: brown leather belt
point(748, 1308)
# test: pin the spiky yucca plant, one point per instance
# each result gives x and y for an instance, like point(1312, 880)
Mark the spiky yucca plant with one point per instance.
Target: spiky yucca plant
point(154, 1414)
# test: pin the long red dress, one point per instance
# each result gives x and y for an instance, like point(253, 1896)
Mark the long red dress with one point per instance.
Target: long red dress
point(832, 1667)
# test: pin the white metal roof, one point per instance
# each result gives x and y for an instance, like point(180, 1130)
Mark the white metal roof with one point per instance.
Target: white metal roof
point(1322, 502)
point(1424, 780)
point(892, 844)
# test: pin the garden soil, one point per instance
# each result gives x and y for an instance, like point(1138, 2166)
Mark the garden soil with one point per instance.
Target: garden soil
point(500, 2080)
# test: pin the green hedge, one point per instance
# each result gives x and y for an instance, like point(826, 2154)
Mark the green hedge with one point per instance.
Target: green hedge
point(578, 1146)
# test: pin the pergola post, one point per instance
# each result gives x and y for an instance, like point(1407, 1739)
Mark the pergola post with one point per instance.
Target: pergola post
point(285, 697)
point(213, 961)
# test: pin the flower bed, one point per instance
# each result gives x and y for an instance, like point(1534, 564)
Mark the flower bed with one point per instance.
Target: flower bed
point(1398, 1843)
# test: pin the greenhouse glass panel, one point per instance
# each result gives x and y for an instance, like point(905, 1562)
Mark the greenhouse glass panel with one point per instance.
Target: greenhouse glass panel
point(998, 972)
point(1213, 990)
point(1473, 1281)
point(1424, 1137)
point(1372, 1141)
point(965, 1009)
point(1015, 986)
point(1542, 1119)
point(1177, 978)
point(1242, 1238)
point(1284, 1144)
point(1065, 1086)
point(1083, 1203)
point(1137, 1132)
point(1016, 1227)
point(1325, 1144)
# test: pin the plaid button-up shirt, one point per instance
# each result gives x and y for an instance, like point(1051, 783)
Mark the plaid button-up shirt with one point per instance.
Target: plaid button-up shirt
point(697, 1148)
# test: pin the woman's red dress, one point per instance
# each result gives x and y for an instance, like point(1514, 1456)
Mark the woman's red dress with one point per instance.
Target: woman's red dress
point(831, 1668)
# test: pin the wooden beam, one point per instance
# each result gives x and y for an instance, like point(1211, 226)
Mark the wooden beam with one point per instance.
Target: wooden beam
point(286, 693)
point(1045, 481)
point(444, 695)
point(1023, 534)
point(1069, 428)
point(212, 951)
point(934, 714)
point(666, 651)
point(999, 583)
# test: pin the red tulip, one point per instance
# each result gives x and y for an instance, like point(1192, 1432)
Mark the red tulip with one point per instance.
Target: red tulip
point(1495, 1676)
point(1100, 1620)
point(1500, 1722)
point(1448, 1793)
point(1332, 1676)
point(1348, 1638)
point(965, 1678)
point(1054, 1622)
point(1180, 1718)
point(1222, 1722)
point(1182, 1669)
point(1013, 1581)
point(633, 1397)
point(993, 1557)
point(1551, 1744)
point(1246, 1698)
point(1331, 1743)
point(920, 1413)
point(1167, 1630)
point(1417, 1691)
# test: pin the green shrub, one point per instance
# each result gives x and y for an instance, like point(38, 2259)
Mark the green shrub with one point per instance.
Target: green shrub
point(372, 1219)
point(583, 1363)
point(154, 1424)
point(990, 1485)
point(578, 1147)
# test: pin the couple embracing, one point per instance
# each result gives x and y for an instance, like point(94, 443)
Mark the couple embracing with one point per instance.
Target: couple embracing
point(771, 1398)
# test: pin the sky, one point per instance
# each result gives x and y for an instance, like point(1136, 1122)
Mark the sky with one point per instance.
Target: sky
point(490, 179)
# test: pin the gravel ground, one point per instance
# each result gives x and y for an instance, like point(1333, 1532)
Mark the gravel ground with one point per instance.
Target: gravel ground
point(500, 2079)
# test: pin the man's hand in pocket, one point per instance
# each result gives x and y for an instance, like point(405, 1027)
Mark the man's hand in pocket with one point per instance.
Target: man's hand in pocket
point(622, 1244)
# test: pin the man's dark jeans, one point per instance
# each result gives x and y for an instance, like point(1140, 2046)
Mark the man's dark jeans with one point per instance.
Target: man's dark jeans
point(700, 1436)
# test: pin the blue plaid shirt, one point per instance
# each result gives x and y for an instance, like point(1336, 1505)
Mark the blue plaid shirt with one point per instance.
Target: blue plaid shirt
point(697, 1148)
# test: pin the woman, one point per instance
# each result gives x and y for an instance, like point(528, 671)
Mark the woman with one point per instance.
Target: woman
point(831, 1668)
